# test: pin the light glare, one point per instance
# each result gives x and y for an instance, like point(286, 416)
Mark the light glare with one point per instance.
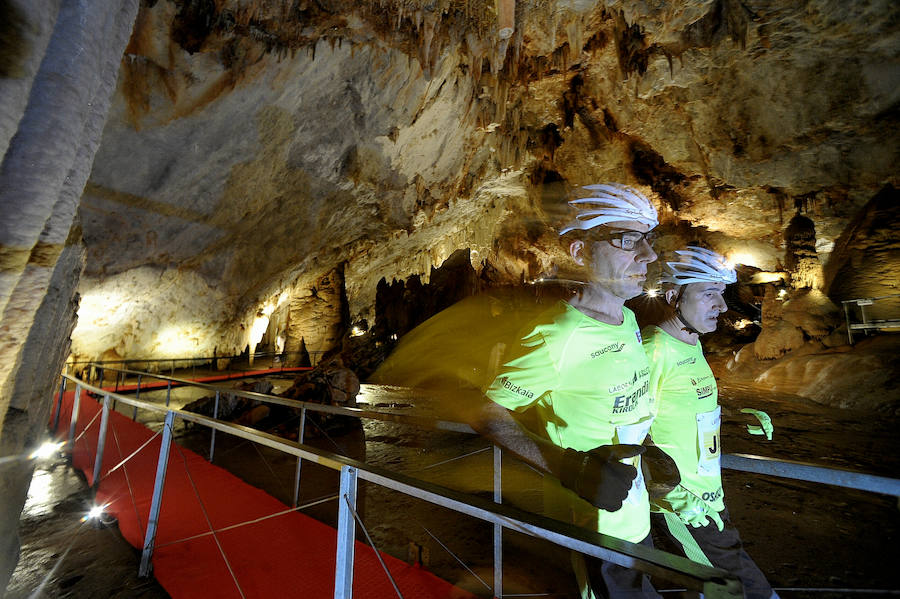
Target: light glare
point(46, 450)
point(95, 512)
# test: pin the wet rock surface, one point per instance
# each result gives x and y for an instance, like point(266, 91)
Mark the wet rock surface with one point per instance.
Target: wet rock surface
point(63, 556)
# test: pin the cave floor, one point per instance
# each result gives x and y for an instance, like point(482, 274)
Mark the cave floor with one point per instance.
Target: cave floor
point(807, 537)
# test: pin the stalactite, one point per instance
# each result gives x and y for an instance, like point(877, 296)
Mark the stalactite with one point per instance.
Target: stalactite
point(506, 18)
point(575, 33)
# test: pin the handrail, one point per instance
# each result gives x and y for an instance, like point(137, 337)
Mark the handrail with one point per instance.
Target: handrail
point(866, 325)
point(265, 354)
point(421, 421)
point(713, 582)
point(743, 462)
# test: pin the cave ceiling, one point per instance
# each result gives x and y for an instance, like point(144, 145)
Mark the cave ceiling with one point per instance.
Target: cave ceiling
point(254, 146)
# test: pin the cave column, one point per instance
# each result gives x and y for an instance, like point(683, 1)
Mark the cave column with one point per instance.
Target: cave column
point(317, 317)
point(42, 176)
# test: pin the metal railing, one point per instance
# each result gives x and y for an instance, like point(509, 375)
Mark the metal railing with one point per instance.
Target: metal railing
point(171, 364)
point(867, 324)
point(708, 580)
point(712, 582)
point(742, 462)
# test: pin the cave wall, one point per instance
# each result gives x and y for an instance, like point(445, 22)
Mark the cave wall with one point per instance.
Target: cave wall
point(254, 145)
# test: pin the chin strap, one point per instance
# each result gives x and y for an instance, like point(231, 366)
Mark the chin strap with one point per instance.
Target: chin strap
point(687, 326)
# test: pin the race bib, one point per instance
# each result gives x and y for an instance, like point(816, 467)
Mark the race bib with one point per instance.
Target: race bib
point(634, 434)
point(708, 442)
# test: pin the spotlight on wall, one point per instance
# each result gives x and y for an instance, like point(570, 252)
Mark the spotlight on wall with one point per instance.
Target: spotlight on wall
point(652, 293)
point(46, 450)
point(356, 331)
point(745, 258)
point(394, 337)
point(782, 294)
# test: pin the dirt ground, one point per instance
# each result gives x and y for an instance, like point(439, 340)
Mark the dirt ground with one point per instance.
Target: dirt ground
point(813, 541)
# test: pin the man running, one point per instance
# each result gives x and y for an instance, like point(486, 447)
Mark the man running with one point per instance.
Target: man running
point(686, 424)
point(582, 369)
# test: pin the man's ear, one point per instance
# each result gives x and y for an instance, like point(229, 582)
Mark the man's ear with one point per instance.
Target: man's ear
point(671, 294)
point(576, 250)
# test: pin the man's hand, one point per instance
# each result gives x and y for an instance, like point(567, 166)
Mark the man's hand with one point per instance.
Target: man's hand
point(597, 476)
point(765, 423)
point(690, 509)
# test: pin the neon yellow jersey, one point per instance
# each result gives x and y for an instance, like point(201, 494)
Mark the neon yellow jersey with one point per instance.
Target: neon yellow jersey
point(588, 382)
point(687, 414)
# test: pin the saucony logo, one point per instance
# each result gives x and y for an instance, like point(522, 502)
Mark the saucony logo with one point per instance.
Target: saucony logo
point(615, 347)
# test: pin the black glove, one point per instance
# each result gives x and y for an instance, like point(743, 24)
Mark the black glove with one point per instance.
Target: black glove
point(597, 476)
point(660, 471)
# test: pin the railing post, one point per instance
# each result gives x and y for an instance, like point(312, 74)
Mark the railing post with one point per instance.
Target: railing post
point(299, 459)
point(137, 396)
point(865, 317)
point(168, 393)
point(62, 390)
point(212, 434)
point(346, 535)
point(847, 320)
point(100, 376)
point(153, 519)
point(101, 441)
point(498, 528)
point(76, 403)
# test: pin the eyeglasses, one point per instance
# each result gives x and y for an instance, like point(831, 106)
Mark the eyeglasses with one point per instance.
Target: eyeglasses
point(626, 240)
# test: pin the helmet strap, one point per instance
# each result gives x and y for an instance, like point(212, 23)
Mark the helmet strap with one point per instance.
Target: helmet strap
point(687, 325)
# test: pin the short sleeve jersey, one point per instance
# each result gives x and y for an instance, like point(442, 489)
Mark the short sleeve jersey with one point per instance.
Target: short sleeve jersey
point(686, 412)
point(588, 382)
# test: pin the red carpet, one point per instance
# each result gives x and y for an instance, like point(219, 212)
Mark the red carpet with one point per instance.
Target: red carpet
point(291, 555)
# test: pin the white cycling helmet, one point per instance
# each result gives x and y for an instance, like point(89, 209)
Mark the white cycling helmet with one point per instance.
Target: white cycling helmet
point(610, 202)
point(698, 265)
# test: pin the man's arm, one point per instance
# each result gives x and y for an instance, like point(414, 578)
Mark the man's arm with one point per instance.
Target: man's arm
point(597, 476)
point(496, 423)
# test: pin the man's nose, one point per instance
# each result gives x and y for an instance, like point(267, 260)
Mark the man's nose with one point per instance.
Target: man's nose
point(721, 305)
point(645, 252)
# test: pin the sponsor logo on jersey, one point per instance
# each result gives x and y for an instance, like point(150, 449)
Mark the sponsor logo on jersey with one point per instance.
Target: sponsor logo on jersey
point(509, 386)
point(619, 387)
point(623, 404)
point(638, 335)
point(634, 378)
point(614, 347)
point(712, 496)
point(696, 382)
point(704, 391)
point(690, 360)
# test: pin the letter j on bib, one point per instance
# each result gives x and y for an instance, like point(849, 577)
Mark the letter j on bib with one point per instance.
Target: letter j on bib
point(709, 442)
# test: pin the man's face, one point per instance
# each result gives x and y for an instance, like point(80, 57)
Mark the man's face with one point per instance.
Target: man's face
point(620, 272)
point(701, 304)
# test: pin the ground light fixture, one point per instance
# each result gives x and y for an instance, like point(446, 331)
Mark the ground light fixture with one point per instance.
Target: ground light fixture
point(95, 513)
point(46, 450)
